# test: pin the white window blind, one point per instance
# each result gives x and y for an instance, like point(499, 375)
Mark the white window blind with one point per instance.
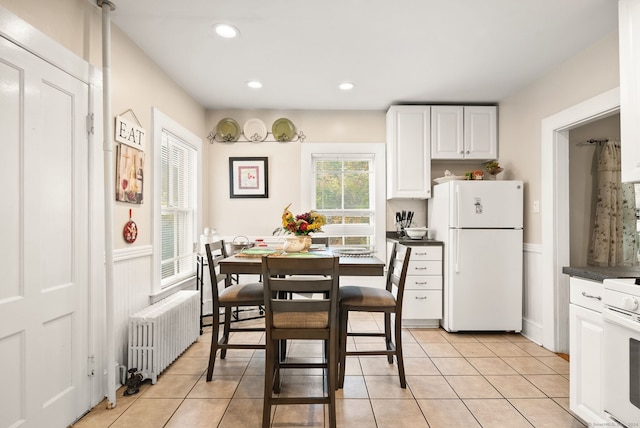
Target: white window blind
point(178, 208)
point(344, 191)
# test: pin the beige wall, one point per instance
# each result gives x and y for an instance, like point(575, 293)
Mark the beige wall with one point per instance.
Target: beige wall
point(590, 73)
point(232, 217)
point(137, 84)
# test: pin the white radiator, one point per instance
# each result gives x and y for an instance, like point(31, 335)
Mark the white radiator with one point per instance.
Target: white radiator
point(159, 333)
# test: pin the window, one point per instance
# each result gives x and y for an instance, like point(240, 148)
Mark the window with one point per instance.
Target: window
point(176, 214)
point(177, 203)
point(346, 184)
point(342, 192)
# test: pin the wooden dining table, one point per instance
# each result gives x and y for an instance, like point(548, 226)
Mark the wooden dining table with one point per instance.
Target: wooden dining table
point(359, 265)
point(368, 265)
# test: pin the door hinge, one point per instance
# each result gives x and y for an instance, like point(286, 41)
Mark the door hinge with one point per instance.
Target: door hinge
point(91, 365)
point(90, 123)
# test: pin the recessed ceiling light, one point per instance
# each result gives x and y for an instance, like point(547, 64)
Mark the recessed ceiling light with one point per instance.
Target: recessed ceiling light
point(226, 31)
point(346, 86)
point(254, 84)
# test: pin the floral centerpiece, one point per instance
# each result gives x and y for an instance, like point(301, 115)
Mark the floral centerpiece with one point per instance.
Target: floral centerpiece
point(302, 224)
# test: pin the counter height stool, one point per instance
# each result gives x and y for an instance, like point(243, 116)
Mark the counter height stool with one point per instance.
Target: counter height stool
point(369, 299)
point(313, 318)
point(228, 297)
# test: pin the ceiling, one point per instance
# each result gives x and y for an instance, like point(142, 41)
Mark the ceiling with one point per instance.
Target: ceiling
point(395, 51)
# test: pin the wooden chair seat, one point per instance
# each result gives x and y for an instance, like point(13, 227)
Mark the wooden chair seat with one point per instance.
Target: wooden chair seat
point(250, 294)
point(366, 297)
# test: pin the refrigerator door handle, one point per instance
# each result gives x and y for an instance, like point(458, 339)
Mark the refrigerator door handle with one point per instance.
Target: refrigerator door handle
point(457, 207)
point(457, 246)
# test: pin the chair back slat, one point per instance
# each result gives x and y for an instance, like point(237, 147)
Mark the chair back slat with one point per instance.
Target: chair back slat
point(300, 305)
point(301, 284)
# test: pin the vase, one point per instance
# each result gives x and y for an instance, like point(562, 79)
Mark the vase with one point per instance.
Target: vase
point(295, 244)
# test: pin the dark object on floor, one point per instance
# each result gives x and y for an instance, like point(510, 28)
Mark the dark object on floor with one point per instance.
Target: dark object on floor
point(134, 382)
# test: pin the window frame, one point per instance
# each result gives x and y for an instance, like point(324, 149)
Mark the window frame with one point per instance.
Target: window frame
point(377, 151)
point(161, 122)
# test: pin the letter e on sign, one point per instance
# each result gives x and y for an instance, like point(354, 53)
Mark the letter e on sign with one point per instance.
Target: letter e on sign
point(129, 133)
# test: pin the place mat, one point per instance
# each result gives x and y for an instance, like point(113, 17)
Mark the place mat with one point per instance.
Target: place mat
point(256, 252)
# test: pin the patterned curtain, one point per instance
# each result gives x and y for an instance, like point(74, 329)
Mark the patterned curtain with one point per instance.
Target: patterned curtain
point(614, 240)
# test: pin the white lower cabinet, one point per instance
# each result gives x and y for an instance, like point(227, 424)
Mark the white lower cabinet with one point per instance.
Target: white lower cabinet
point(422, 305)
point(586, 352)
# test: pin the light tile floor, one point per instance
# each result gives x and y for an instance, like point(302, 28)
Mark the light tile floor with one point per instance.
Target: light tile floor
point(453, 380)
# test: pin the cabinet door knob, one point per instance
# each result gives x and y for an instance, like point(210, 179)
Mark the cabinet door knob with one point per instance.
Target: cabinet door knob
point(468, 152)
point(461, 152)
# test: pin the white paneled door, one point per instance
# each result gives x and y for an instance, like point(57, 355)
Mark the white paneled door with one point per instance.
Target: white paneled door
point(44, 246)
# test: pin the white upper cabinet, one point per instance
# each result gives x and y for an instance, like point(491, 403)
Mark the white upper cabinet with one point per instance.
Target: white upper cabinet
point(408, 148)
point(464, 132)
point(629, 43)
point(447, 132)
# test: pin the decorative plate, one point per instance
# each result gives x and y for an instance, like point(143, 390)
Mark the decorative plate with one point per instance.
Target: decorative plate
point(283, 130)
point(353, 251)
point(228, 129)
point(255, 130)
point(130, 232)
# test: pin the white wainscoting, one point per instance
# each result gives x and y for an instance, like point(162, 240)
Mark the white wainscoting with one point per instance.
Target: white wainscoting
point(532, 326)
point(132, 285)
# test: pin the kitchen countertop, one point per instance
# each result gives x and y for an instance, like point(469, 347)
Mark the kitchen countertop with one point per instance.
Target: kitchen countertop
point(393, 236)
point(600, 273)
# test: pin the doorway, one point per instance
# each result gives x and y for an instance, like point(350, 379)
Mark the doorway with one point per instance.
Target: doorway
point(584, 142)
point(556, 214)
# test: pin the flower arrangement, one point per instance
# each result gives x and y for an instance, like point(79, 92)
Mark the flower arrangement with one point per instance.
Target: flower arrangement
point(302, 224)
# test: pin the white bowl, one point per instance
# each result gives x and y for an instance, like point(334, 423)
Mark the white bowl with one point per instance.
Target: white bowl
point(448, 178)
point(416, 232)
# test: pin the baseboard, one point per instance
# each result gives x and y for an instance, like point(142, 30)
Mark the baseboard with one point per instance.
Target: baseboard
point(532, 331)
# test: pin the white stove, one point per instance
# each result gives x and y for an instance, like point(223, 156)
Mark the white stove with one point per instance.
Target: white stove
point(621, 351)
point(623, 294)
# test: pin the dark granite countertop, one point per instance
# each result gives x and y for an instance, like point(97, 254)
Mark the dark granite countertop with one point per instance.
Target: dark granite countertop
point(393, 236)
point(600, 273)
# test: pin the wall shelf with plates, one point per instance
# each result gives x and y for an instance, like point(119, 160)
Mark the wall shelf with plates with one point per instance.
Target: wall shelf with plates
point(255, 131)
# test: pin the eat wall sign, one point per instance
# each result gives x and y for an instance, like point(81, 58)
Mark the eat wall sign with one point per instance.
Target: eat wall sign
point(129, 133)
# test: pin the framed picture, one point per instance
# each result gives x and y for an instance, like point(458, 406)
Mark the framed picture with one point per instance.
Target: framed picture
point(129, 174)
point(248, 178)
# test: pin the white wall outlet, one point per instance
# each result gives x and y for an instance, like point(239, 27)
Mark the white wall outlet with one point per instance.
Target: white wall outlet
point(536, 206)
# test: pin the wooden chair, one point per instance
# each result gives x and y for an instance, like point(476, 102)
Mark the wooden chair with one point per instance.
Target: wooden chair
point(370, 299)
point(229, 297)
point(314, 318)
point(322, 240)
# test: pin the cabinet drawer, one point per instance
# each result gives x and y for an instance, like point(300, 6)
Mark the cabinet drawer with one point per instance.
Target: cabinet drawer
point(587, 294)
point(422, 304)
point(426, 252)
point(424, 267)
point(426, 282)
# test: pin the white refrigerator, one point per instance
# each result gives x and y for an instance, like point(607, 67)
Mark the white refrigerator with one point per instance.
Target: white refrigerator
point(480, 223)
